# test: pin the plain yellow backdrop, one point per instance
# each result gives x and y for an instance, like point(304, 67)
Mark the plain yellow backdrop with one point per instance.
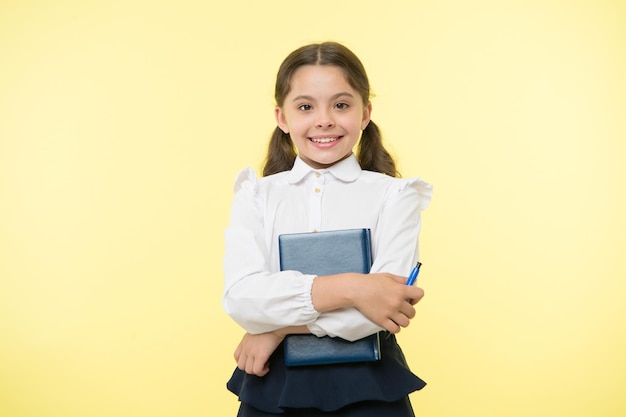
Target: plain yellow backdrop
point(124, 123)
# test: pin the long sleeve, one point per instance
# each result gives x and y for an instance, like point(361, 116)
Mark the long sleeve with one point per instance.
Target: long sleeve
point(395, 249)
point(261, 298)
point(257, 298)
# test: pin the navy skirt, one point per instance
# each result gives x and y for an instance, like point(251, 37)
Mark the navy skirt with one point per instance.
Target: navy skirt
point(349, 390)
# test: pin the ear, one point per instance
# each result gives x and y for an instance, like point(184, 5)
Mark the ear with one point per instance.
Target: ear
point(280, 120)
point(367, 114)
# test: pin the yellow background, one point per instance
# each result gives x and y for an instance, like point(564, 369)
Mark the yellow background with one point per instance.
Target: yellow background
point(123, 124)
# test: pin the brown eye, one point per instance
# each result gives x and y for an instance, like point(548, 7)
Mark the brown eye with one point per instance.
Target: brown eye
point(304, 107)
point(342, 106)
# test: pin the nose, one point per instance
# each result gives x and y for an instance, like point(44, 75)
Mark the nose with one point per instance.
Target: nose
point(324, 119)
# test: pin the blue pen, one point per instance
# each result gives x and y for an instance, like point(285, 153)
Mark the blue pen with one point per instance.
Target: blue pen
point(414, 273)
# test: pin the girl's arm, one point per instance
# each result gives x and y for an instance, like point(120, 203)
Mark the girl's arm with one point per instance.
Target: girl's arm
point(384, 299)
point(350, 304)
point(259, 300)
point(253, 352)
point(395, 252)
point(393, 310)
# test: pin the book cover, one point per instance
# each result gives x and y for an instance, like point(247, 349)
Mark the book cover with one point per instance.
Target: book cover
point(328, 253)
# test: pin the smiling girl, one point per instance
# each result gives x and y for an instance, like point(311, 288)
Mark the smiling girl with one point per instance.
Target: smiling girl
point(314, 181)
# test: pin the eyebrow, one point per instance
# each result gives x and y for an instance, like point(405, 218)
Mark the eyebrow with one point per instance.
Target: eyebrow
point(334, 97)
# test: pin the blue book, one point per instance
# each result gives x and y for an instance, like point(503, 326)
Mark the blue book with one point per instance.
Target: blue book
point(328, 253)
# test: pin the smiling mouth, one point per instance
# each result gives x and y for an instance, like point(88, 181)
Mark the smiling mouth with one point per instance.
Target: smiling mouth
point(324, 140)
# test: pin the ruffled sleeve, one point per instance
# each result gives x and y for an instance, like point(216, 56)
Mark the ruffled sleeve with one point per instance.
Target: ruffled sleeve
point(397, 240)
point(246, 179)
point(424, 190)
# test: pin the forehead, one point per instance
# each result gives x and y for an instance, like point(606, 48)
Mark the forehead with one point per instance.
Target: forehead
point(310, 79)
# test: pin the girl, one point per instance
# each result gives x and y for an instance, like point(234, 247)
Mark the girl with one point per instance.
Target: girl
point(313, 181)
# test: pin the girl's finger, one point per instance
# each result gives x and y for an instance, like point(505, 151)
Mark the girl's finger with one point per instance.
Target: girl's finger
point(392, 326)
point(241, 362)
point(250, 365)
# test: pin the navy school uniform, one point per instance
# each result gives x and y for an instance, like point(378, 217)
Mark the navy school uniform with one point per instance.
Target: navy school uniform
point(366, 389)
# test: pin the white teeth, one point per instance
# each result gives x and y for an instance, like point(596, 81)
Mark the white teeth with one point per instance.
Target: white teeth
point(323, 140)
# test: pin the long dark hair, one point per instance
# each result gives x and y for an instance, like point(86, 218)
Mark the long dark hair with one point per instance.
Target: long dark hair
point(371, 153)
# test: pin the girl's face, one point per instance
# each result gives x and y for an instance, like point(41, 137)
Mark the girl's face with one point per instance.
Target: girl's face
point(323, 115)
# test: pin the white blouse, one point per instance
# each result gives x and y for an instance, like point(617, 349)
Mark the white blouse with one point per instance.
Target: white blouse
point(261, 298)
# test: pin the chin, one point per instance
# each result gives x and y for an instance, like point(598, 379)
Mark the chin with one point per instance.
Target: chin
point(328, 162)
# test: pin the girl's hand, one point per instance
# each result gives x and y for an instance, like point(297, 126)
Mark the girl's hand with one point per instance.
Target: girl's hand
point(253, 352)
point(386, 299)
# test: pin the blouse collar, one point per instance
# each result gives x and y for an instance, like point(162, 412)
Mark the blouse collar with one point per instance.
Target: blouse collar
point(347, 170)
